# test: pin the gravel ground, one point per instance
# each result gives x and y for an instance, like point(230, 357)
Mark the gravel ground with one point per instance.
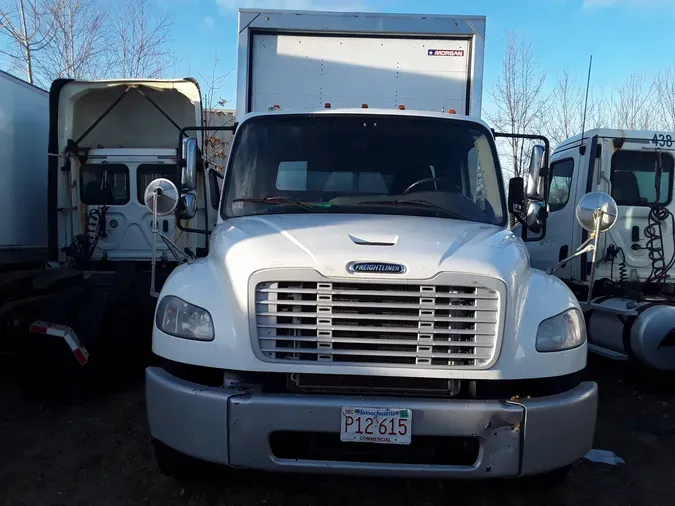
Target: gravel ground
point(97, 451)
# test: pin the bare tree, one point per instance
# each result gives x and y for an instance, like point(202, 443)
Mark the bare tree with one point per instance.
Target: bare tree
point(139, 39)
point(29, 27)
point(517, 98)
point(216, 142)
point(569, 113)
point(566, 112)
point(632, 106)
point(664, 86)
point(78, 47)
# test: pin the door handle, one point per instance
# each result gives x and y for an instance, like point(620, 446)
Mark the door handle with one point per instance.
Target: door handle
point(562, 254)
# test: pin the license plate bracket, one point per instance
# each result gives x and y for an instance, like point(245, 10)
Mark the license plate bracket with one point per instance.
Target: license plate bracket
point(376, 425)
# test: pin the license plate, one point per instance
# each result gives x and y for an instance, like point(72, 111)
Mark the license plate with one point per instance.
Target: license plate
point(376, 425)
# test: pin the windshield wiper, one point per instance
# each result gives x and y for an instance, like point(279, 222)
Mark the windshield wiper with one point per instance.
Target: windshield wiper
point(419, 203)
point(277, 200)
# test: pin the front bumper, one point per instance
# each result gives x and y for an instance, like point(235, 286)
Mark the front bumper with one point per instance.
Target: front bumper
point(516, 438)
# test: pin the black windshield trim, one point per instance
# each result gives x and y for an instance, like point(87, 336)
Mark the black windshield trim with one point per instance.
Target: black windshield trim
point(282, 117)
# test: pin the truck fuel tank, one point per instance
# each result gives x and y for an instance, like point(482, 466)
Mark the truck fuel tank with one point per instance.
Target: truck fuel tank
point(644, 331)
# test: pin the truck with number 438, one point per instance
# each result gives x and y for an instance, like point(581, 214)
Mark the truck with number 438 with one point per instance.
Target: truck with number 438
point(628, 293)
point(363, 307)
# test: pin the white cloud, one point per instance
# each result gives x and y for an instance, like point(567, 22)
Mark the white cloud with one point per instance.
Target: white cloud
point(209, 22)
point(324, 5)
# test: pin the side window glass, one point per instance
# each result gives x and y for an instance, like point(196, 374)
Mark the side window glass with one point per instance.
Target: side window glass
point(633, 178)
point(148, 172)
point(561, 184)
point(104, 184)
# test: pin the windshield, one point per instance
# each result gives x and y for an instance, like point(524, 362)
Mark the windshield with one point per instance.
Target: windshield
point(364, 164)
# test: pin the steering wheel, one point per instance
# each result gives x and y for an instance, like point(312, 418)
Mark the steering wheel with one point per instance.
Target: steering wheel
point(422, 181)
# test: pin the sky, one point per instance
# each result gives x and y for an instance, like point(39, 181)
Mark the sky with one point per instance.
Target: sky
point(622, 35)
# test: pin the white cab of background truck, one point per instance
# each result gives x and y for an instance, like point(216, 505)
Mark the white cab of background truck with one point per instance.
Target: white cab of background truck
point(630, 310)
point(363, 307)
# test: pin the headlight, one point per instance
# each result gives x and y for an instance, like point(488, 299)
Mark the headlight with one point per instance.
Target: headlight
point(182, 319)
point(562, 332)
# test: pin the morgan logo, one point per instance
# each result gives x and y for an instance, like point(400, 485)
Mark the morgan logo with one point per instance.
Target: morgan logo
point(376, 268)
point(445, 52)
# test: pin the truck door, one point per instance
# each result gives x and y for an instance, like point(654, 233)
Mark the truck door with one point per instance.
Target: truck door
point(558, 241)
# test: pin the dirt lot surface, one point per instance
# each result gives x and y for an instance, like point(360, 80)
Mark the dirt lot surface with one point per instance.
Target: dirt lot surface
point(97, 451)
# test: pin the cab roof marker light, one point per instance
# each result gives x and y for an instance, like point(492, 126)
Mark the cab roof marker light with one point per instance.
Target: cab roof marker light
point(401, 107)
point(327, 105)
point(364, 106)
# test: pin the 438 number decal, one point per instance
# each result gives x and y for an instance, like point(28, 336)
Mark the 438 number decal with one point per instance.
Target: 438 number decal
point(662, 140)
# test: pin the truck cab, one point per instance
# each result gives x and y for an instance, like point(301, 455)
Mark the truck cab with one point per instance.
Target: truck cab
point(79, 315)
point(630, 314)
point(363, 308)
point(112, 139)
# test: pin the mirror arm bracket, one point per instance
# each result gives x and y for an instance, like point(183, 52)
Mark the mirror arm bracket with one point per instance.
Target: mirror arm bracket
point(584, 248)
point(180, 256)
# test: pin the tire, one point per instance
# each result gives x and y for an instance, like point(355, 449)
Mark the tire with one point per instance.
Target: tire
point(175, 464)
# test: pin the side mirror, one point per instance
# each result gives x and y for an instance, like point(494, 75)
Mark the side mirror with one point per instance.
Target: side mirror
point(536, 214)
point(188, 175)
point(597, 212)
point(187, 207)
point(161, 197)
point(516, 195)
point(535, 174)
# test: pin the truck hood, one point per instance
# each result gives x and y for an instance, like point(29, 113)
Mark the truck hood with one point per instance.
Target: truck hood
point(328, 242)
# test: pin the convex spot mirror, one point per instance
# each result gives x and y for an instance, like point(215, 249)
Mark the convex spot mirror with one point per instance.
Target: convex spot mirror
point(188, 162)
point(597, 206)
point(535, 175)
point(166, 194)
point(187, 207)
point(536, 214)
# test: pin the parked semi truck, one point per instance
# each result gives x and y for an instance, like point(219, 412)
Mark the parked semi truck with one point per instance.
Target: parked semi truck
point(363, 307)
point(91, 306)
point(629, 297)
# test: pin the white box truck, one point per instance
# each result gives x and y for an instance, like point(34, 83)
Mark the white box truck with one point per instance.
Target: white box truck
point(629, 297)
point(363, 307)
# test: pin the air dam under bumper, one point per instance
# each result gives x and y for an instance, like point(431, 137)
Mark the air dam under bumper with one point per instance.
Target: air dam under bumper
point(233, 428)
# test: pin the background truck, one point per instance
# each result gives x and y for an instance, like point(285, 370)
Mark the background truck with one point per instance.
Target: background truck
point(88, 309)
point(630, 311)
point(363, 307)
point(24, 124)
point(24, 128)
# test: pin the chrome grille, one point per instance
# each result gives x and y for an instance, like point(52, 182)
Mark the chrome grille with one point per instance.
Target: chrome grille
point(377, 323)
